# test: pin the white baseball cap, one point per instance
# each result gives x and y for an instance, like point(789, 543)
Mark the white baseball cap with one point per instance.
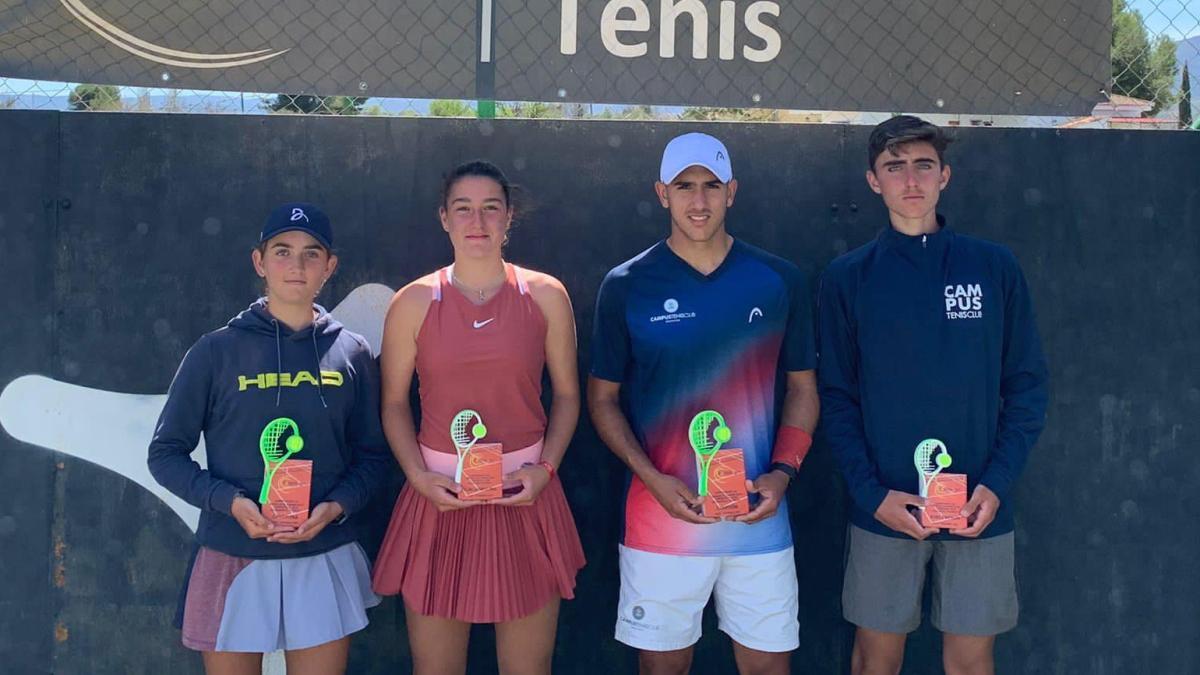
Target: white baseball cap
point(695, 149)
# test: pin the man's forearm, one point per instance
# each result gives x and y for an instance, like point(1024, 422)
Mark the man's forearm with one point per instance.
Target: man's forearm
point(798, 418)
point(614, 430)
point(801, 406)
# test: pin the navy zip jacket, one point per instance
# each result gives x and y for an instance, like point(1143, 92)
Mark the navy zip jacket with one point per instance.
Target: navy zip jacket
point(928, 337)
point(234, 381)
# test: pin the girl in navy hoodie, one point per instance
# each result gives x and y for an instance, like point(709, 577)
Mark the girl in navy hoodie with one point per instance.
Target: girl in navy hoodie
point(283, 364)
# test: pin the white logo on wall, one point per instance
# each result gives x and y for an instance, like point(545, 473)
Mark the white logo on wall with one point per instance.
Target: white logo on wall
point(964, 301)
point(157, 53)
point(753, 313)
point(670, 305)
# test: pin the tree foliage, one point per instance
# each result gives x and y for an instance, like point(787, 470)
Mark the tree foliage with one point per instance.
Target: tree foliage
point(309, 104)
point(532, 110)
point(1141, 68)
point(633, 113)
point(95, 97)
point(450, 108)
point(730, 114)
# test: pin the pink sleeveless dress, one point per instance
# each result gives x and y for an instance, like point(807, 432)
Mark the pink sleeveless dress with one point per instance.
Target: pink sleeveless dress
point(484, 564)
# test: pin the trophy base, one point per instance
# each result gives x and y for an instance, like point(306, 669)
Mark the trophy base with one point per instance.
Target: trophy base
point(483, 473)
point(727, 495)
point(287, 500)
point(945, 497)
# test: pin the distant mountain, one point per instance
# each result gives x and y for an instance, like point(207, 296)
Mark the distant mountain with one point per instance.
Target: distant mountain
point(191, 101)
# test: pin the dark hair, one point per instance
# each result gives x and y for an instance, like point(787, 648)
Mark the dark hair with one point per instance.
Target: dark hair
point(901, 130)
point(476, 167)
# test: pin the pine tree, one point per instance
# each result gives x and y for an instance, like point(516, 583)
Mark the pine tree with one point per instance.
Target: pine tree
point(1185, 100)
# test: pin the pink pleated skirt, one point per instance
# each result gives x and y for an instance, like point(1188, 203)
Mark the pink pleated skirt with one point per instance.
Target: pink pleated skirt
point(483, 564)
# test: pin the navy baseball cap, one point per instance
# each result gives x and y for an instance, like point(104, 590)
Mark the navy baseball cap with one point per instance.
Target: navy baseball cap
point(299, 216)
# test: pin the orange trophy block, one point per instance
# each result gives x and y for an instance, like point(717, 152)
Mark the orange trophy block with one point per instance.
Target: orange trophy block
point(287, 500)
point(947, 494)
point(727, 485)
point(483, 473)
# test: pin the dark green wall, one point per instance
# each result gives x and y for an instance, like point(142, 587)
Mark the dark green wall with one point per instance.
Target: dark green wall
point(124, 237)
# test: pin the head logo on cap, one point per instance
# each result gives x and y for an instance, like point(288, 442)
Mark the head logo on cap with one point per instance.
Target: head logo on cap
point(298, 213)
point(695, 149)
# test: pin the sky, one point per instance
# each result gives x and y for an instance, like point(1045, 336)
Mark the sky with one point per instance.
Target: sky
point(1178, 19)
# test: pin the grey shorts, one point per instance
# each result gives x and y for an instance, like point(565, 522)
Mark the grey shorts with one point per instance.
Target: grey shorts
point(974, 583)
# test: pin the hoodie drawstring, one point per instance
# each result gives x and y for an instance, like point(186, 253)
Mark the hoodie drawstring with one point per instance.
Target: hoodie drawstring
point(317, 357)
point(278, 364)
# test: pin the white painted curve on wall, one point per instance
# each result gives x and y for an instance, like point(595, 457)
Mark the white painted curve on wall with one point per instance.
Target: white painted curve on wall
point(106, 428)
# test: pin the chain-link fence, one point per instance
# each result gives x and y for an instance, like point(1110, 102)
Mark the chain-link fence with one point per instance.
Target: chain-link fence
point(1153, 59)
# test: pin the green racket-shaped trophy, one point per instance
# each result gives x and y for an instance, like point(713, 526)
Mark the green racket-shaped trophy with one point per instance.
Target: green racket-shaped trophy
point(287, 483)
point(721, 472)
point(944, 493)
point(273, 455)
point(479, 471)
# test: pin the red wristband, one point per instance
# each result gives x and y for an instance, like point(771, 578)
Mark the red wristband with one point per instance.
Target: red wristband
point(548, 467)
point(791, 446)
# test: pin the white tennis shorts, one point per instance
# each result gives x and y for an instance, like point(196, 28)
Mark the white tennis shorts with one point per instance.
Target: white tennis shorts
point(663, 598)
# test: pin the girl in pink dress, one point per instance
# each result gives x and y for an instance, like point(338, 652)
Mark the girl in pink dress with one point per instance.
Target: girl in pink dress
point(478, 335)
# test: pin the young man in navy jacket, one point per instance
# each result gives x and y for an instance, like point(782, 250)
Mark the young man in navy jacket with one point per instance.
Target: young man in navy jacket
point(926, 333)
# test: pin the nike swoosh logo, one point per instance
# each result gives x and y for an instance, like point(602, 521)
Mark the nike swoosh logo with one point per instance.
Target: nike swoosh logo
point(481, 324)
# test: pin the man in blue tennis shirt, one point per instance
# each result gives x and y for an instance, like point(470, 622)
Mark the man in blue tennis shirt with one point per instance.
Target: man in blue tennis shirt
point(701, 321)
point(926, 333)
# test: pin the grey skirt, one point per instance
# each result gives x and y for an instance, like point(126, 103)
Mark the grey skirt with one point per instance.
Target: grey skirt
point(244, 605)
